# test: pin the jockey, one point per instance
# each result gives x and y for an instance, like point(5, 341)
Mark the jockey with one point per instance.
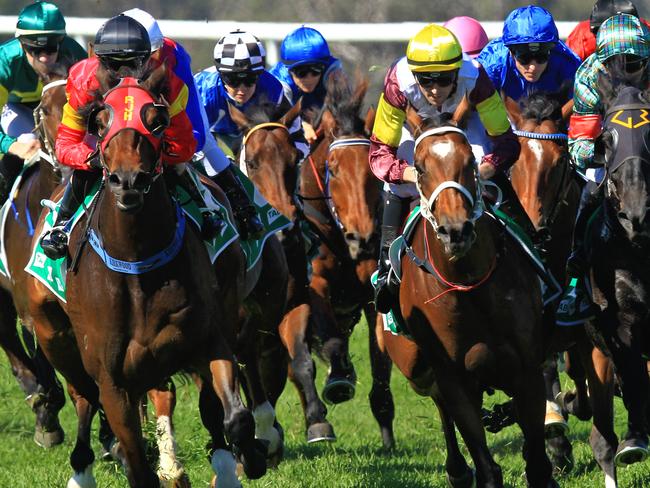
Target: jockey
point(39, 44)
point(435, 77)
point(470, 34)
point(304, 70)
point(239, 79)
point(122, 48)
point(582, 39)
point(622, 40)
point(529, 56)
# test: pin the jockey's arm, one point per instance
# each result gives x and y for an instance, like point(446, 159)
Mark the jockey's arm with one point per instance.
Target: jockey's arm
point(586, 122)
point(9, 144)
point(178, 139)
point(493, 115)
point(387, 133)
point(70, 148)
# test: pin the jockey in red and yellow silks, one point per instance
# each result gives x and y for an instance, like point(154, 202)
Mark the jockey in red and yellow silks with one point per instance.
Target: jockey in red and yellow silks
point(433, 78)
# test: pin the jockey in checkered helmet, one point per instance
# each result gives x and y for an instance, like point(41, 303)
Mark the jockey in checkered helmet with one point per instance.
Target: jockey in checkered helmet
point(239, 52)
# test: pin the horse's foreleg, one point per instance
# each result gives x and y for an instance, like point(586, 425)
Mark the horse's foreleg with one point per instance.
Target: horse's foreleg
point(293, 332)
point(576, 402)
point(82, 456)
point(530, 400)
point(122, 411)
point(163, 399)
point(380, 396)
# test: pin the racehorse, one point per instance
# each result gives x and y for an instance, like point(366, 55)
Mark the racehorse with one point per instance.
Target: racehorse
point(472, 307)
point(119, 334)
point(341, 199)
point(270, 159)
point(36, 376)
point(619, 235)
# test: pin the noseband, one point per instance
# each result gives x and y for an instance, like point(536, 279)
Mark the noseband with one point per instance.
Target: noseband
point(427, 204)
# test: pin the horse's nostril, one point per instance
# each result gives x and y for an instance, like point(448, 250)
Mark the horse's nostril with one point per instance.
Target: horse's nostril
point(623, 216)
point(351, 236)
point(114, 180)
point(442, 230)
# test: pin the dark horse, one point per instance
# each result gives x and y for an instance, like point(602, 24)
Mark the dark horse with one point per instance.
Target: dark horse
point(620, 267)
point(270, 159)
point(472, 305)
point(34, 373)
point(341, 199)
point(118, 334)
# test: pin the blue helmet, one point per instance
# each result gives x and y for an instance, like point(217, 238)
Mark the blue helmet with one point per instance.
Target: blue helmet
point(304, 46)
point(530, 24)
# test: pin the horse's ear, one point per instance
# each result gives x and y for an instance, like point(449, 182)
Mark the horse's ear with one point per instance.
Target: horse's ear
point(328, 123)
point(369, 123)
point(567, 110)
point(605, 88)
point(156, 80)
point(514, 111)
point(414, 121)
point(288, 118)
point(461, 112)
point(238, 117)
point(91, 49)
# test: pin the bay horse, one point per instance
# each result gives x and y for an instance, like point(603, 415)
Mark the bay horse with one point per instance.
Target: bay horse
point(35, 375)
point(270, 159)
point(544, 181)
point(619, 238)
point(118, 334)
point(342, 202)
point(472, 306)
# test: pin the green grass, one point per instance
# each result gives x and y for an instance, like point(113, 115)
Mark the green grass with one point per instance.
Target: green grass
point(355, 460)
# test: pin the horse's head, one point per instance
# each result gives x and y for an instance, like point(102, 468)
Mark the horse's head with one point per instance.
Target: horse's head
point(354, 189)
point(269, 153)
point(542, 175)
point(624, 149)
point(447, 180)
point(129, 123)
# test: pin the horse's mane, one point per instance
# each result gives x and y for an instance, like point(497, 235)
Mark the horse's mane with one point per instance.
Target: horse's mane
point(542, 106)
point(434, 121)
point(263, 111)
point(344, 102)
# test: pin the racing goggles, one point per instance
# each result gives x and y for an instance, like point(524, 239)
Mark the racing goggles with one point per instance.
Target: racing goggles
point(235, 80)
point(42, 44)
point(634, 63)
point(114, 63)
point(441, 78)
point(527, 55)
point(305, 69)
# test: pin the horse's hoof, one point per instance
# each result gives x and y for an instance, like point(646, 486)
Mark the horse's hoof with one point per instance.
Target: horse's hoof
point(567, 400)
point(554, 423)
point(253, 459)
point(387, 438)
point(631, 451)
point(465, 480)
point(213, 484)
point(183, 481)
point(48, 439)
point(322, 431)
point(83, 479)
point(560, 454)
point(338, 390)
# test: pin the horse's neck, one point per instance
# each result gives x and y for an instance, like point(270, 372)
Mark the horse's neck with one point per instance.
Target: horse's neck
point(41, 183)
point(133, 237)
point(467, 269)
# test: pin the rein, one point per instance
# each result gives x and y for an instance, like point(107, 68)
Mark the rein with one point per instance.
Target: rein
point(541, 136)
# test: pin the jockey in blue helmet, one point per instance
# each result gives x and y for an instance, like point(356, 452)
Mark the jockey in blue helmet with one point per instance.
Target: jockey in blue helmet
point(529, 56)
point(305, 66)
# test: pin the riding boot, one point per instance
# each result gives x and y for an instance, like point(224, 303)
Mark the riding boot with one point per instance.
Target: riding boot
point(248, 222)
point(576, 306)
point(10, 167)
point(395, 209)
point(55, 242)
point(212, 224)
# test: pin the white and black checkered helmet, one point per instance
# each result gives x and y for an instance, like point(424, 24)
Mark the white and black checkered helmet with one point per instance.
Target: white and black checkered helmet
point(239, 52)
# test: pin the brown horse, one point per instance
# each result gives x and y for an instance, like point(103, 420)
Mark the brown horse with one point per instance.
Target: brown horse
point(548, 190)
point(271, 160)
point(35, 375)
point(118, 334)
point(472, 305)
point(342, 199)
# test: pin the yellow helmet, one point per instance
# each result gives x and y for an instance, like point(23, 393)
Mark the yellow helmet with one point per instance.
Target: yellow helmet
point(434, 48)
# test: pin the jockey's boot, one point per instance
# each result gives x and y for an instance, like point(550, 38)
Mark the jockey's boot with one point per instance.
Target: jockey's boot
point(55, 241)
point(212, 224)
point(248, 222)
point(10, 167)
point(576, 306)
point(394, 210)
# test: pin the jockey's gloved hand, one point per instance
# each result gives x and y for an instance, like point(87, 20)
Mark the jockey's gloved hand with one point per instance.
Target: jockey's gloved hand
point(94, 161)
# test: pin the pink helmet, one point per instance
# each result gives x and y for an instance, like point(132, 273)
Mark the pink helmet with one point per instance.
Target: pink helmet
point(470, 34)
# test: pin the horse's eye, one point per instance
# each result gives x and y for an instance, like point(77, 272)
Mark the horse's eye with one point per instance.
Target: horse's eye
point(418, 168)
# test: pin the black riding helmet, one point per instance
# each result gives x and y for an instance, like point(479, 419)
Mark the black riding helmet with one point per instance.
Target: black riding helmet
point(122, 38)
point(604, 9)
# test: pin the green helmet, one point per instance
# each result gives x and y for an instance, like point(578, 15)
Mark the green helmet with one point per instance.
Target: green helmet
point(40, 23)
point(622, 34)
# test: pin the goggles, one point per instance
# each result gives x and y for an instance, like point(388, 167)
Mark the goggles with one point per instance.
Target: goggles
point(441, 78)
point(305, 69)
point(236, 80)
point(527, 57)
point(114, 63)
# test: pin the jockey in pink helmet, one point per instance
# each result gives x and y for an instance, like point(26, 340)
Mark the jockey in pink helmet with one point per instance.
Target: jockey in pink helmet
point(470, 34)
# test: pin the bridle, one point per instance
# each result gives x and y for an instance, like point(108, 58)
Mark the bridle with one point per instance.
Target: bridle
point(49, 154)
point(427, 204)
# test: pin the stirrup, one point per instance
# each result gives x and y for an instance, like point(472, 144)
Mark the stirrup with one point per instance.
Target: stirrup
point(248, 223)
point(211, 226)
point(55, 242)
point(575, 307)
